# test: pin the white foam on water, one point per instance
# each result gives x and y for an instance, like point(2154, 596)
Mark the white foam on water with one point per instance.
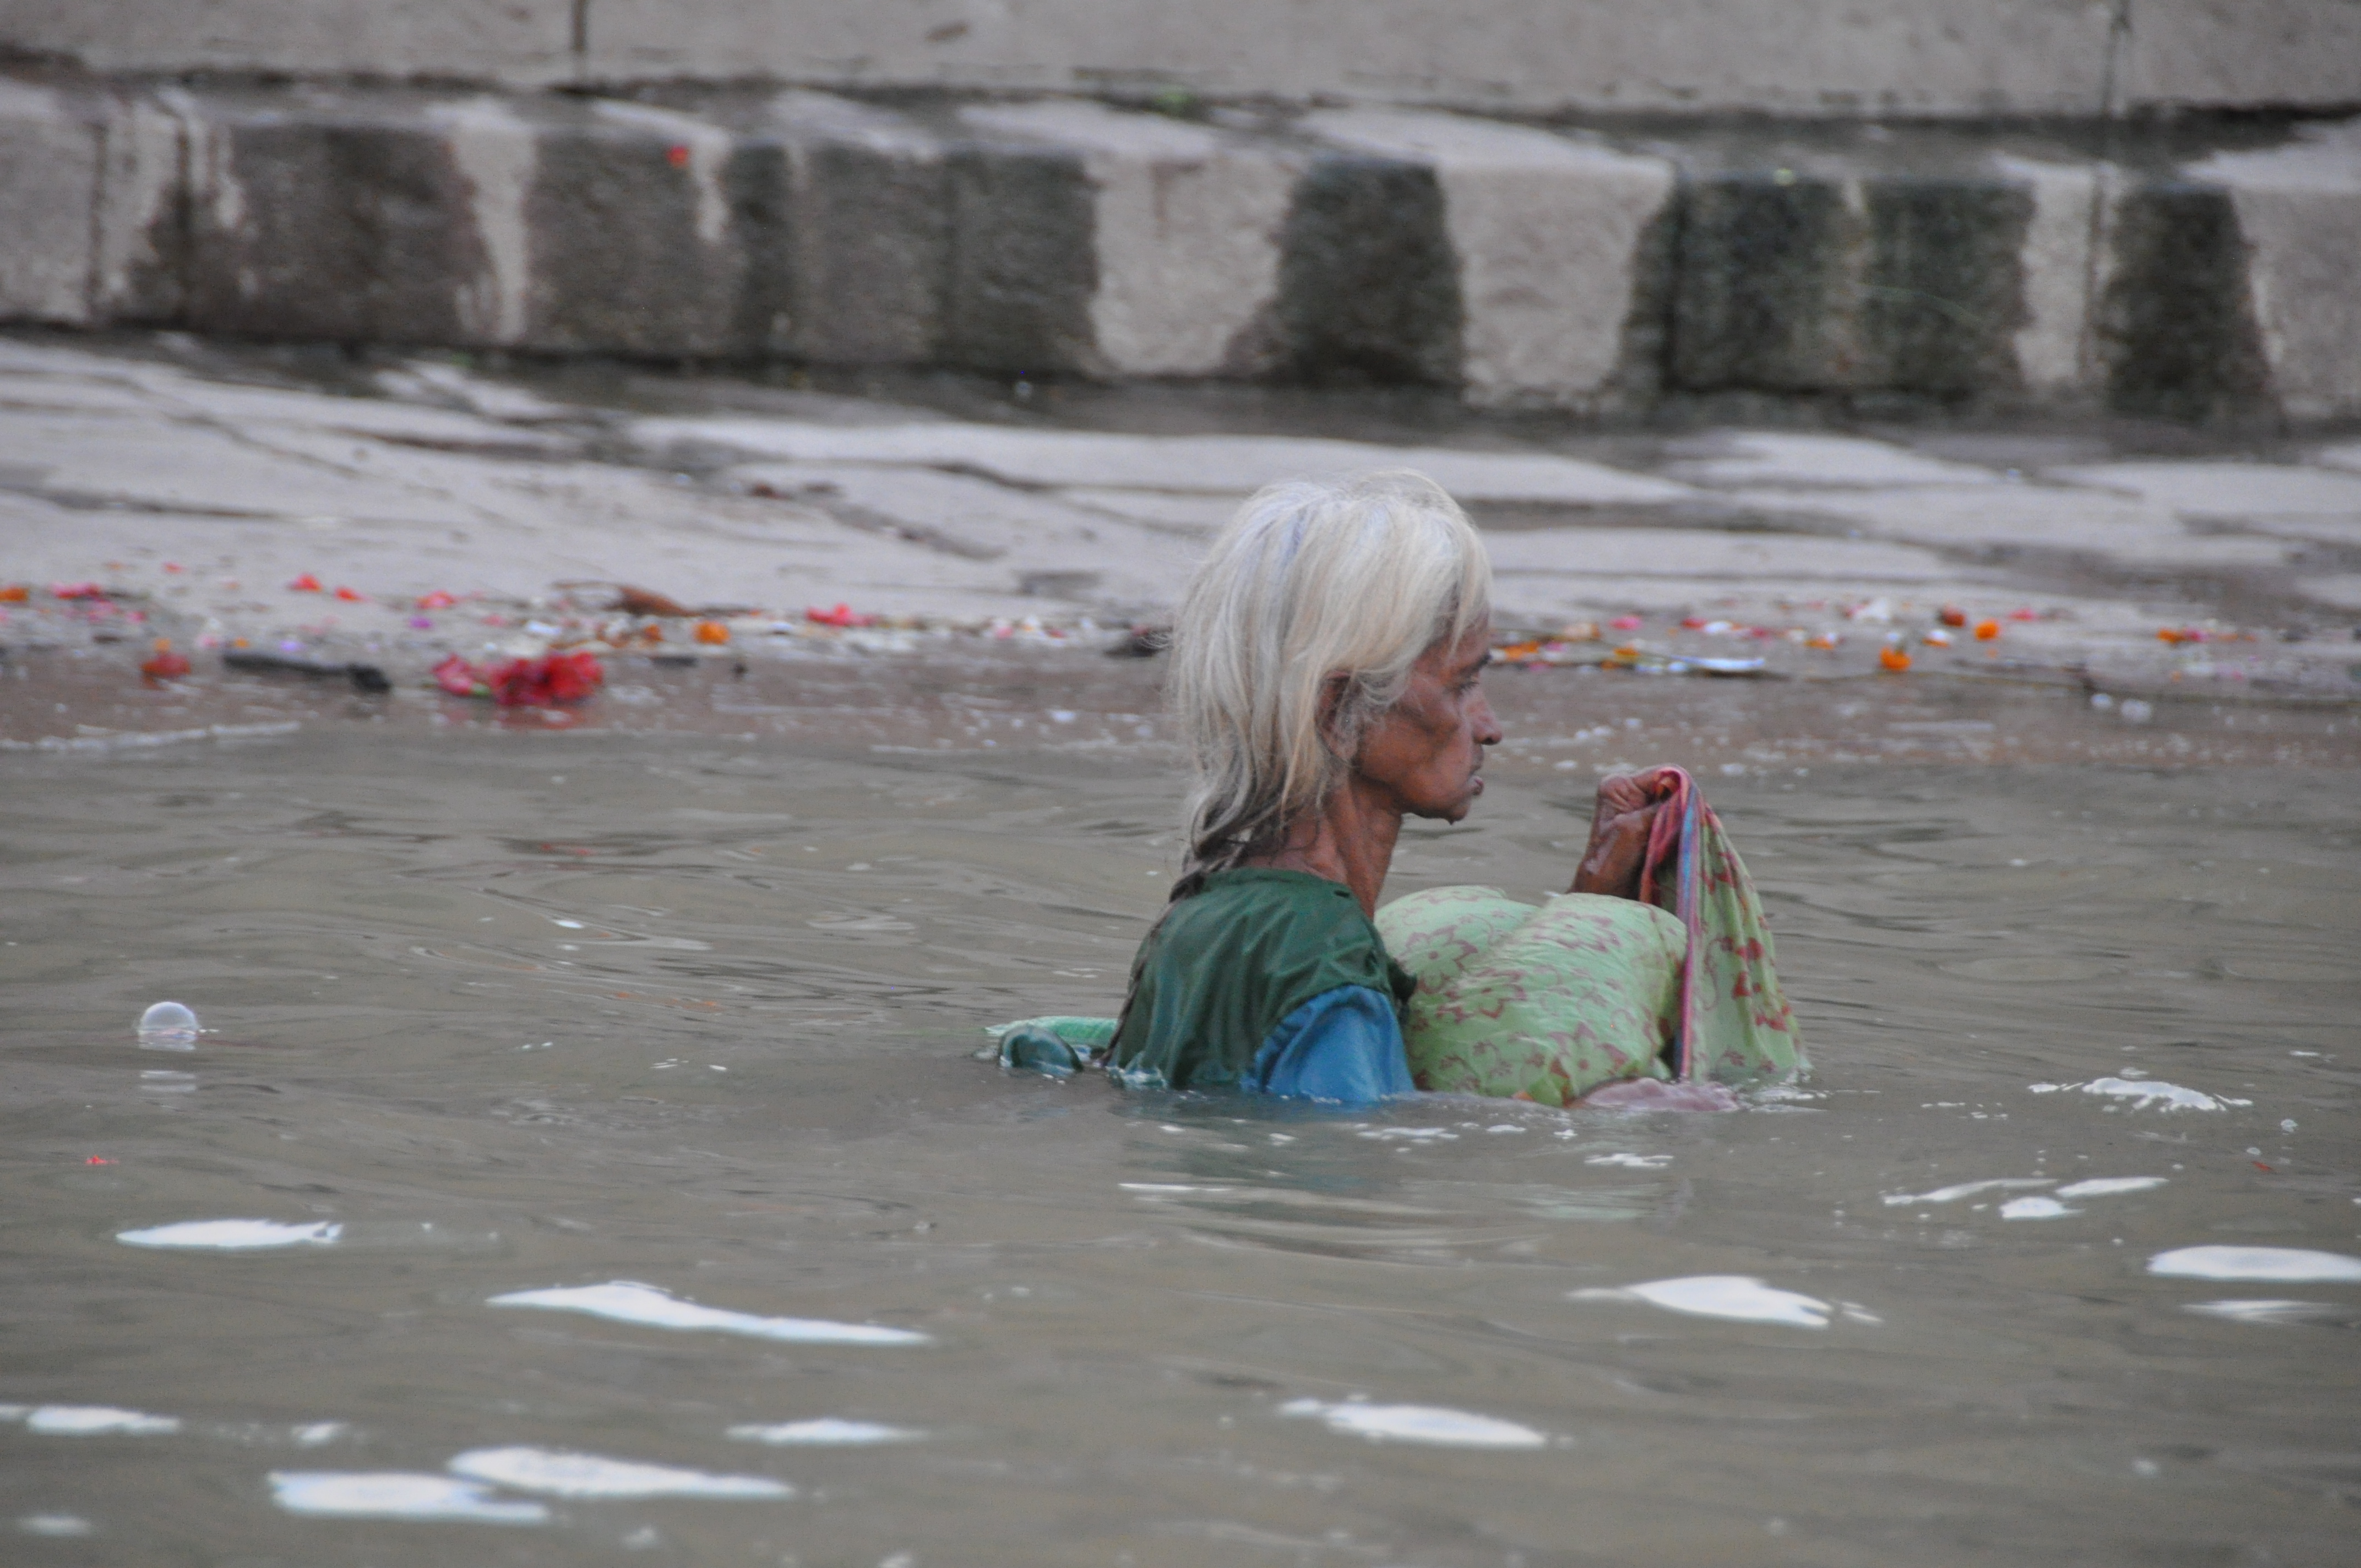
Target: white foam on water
point(1965, 1190)
point(1430, 1424)
point(828, 1432)
point(2042, 1208)
point(2143, 1092)
point(1636, 1161)
point(2274, 1264)
point(394, 1494)
point(54, 1524)
point(234, 1236)
point(589, 1475)
point(2105, 1186)
point(97, 1421)
point(1736, 1295)
point(627, 1302)
point(2276, 1313)
point(317, 1434)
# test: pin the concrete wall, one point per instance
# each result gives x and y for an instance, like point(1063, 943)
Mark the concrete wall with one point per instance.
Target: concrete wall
point(515, 41)
point(1518, 266)
point(1790, 57)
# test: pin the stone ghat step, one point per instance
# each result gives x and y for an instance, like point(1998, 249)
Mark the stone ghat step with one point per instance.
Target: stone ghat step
point(2192, 277)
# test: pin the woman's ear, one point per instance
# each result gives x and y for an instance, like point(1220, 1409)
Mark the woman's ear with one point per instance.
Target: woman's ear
point(1335, 688)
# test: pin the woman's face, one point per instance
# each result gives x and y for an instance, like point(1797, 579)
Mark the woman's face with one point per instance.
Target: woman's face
point(1426, 751)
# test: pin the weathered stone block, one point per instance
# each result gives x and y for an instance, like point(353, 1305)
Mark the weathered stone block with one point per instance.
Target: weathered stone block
point(2244, 53)
point(1762, 259)
point(91, 206)
point(2175, 323)
point(1561, 249)
point(495, 152)
point(635, 222)
point(1811, 282)
point(51, 150)
point(140, 233)
point(862, 246)
point(2299, 211)
point(1024, 264)
point(2052, 346)
point(341, 217)
point(1185, 222)
point(1941, 298)
point(1370, 286)
point(410, 218)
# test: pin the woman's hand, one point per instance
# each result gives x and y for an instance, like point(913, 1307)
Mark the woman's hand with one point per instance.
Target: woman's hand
point(1618, 836)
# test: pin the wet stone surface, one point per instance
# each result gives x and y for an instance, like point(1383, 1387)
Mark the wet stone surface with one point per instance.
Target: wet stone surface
point(393, 511)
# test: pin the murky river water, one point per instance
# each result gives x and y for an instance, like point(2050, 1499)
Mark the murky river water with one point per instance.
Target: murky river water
point(508, 1014)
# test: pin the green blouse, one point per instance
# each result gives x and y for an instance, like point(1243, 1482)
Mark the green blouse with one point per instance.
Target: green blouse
point(1225, 967)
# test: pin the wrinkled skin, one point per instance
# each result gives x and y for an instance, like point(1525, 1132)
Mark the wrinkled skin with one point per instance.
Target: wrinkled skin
point(1620, 825)
point(1423, 757)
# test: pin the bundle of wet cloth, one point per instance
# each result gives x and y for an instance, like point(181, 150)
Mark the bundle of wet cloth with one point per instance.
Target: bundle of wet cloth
point(1554, 1003)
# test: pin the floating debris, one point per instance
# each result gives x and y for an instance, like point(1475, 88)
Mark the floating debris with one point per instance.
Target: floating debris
point(368, 678)
point(167, 1027)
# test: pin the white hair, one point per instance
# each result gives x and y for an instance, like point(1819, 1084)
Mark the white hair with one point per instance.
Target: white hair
point(1312, 580)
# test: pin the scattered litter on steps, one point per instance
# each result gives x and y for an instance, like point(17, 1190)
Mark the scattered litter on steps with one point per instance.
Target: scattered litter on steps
point(547, 681)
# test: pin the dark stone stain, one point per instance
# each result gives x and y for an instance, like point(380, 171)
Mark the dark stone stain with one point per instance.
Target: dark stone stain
point(1759, 262)
point(1645, 346)
point(153, 288)
point(617, 262)
point(1023, 261)
point(1783, 286)
point(758, 182)
point(1944, 293)
point(350, 232)
point(1368, 283)
point(873, 255)
point(2175, 326)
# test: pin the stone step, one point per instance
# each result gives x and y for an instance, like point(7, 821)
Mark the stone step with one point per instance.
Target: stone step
point(2169, 272)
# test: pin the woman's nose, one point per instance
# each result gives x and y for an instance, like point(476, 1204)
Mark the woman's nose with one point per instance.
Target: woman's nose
point(1486, 728)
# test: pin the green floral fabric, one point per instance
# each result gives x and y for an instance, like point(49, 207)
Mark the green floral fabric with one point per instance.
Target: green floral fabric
point(1542, 1003)
point(1549, 1003)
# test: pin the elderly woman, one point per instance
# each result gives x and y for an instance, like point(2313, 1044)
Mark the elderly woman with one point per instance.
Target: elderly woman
point(1326, 675)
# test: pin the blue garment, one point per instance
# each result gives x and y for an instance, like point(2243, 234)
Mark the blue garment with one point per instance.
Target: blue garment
point(1227, 964)
point(1343, 1044)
